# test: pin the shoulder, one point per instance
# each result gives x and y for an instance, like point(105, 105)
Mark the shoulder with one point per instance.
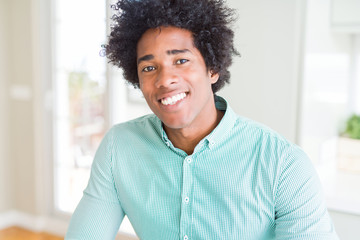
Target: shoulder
point(269, 146)
point(136, 125)
point(137, 122)
point(147, 126)
point(260, 134)
point(275, 148)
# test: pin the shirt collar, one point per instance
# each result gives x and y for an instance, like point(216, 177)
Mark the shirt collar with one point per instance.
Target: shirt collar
point(225, 125)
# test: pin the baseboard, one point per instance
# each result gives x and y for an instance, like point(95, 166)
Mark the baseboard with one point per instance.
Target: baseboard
point(49, 224)
point(33, 223)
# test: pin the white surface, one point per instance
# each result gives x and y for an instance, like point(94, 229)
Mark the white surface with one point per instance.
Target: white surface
point(341, 189)
point(345, 13)
point(265, 79)
point(345, 16)
point(346, 225)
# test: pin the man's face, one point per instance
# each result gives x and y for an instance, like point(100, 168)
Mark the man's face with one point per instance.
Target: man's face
point(174, 79)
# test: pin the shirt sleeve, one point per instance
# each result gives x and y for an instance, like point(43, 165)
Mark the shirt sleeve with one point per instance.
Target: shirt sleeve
point(300, 210)
point(99, 213)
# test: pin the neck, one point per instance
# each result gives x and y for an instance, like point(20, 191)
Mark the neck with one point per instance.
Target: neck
point(187, 138)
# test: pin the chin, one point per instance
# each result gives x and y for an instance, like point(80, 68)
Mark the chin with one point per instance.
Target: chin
point(174, 123)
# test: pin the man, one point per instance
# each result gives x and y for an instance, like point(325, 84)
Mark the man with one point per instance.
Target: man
point(194, 169)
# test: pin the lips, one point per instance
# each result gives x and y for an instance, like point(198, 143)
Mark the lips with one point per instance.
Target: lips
point(173, 99)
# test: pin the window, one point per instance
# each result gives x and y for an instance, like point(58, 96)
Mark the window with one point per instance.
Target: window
point(80, 95)
point(89, 95)
point(330, 95)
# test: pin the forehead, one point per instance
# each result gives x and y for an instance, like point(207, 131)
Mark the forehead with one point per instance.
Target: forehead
point(164, 39)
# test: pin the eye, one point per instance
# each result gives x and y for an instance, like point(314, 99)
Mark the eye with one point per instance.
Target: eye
point(181, 61)
point(148, 69)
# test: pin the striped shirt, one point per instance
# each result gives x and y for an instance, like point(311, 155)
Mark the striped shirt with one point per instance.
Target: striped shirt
point(243, 181)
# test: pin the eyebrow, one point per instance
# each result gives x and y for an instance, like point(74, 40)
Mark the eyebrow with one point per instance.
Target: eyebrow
point(168, 52)
point(145, 58)
point(177, 51)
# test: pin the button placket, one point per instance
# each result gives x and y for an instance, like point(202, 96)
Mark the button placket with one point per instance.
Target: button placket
point(186, 209)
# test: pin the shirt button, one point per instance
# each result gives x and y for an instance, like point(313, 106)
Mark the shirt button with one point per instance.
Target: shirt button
point(186, 237)
point(189, 160)
point(186, 199)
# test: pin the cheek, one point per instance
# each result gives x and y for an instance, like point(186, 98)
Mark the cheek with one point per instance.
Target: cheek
point(142, 86)
point(145, 90)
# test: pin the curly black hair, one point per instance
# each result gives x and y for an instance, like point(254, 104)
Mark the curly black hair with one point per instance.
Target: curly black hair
point(208, 20)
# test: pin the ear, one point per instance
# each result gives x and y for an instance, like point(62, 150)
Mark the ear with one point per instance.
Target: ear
point(213, 76)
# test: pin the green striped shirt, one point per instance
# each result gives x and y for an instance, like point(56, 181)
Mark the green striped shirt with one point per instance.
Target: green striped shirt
point(243, 181)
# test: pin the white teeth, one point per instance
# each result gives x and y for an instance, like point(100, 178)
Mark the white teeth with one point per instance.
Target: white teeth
point(174, 99)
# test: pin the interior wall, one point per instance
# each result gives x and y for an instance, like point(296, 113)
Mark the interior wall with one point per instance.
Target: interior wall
point(324, 49)
point(20, 111)
point(5, 197)
point(265, 79)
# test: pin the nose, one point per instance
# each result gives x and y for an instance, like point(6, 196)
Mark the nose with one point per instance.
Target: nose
point(166, 77)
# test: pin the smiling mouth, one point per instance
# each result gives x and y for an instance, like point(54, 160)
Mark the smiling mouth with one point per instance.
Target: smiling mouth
point(173, 100)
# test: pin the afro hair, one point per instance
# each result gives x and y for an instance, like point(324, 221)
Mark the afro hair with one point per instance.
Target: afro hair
point(208, 20)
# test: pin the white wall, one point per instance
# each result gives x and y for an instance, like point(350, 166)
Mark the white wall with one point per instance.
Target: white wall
point(325, 49)
point(17, 134)
point(264, 82)
point(347, 225)
point(327, 55)
point(4, 166)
